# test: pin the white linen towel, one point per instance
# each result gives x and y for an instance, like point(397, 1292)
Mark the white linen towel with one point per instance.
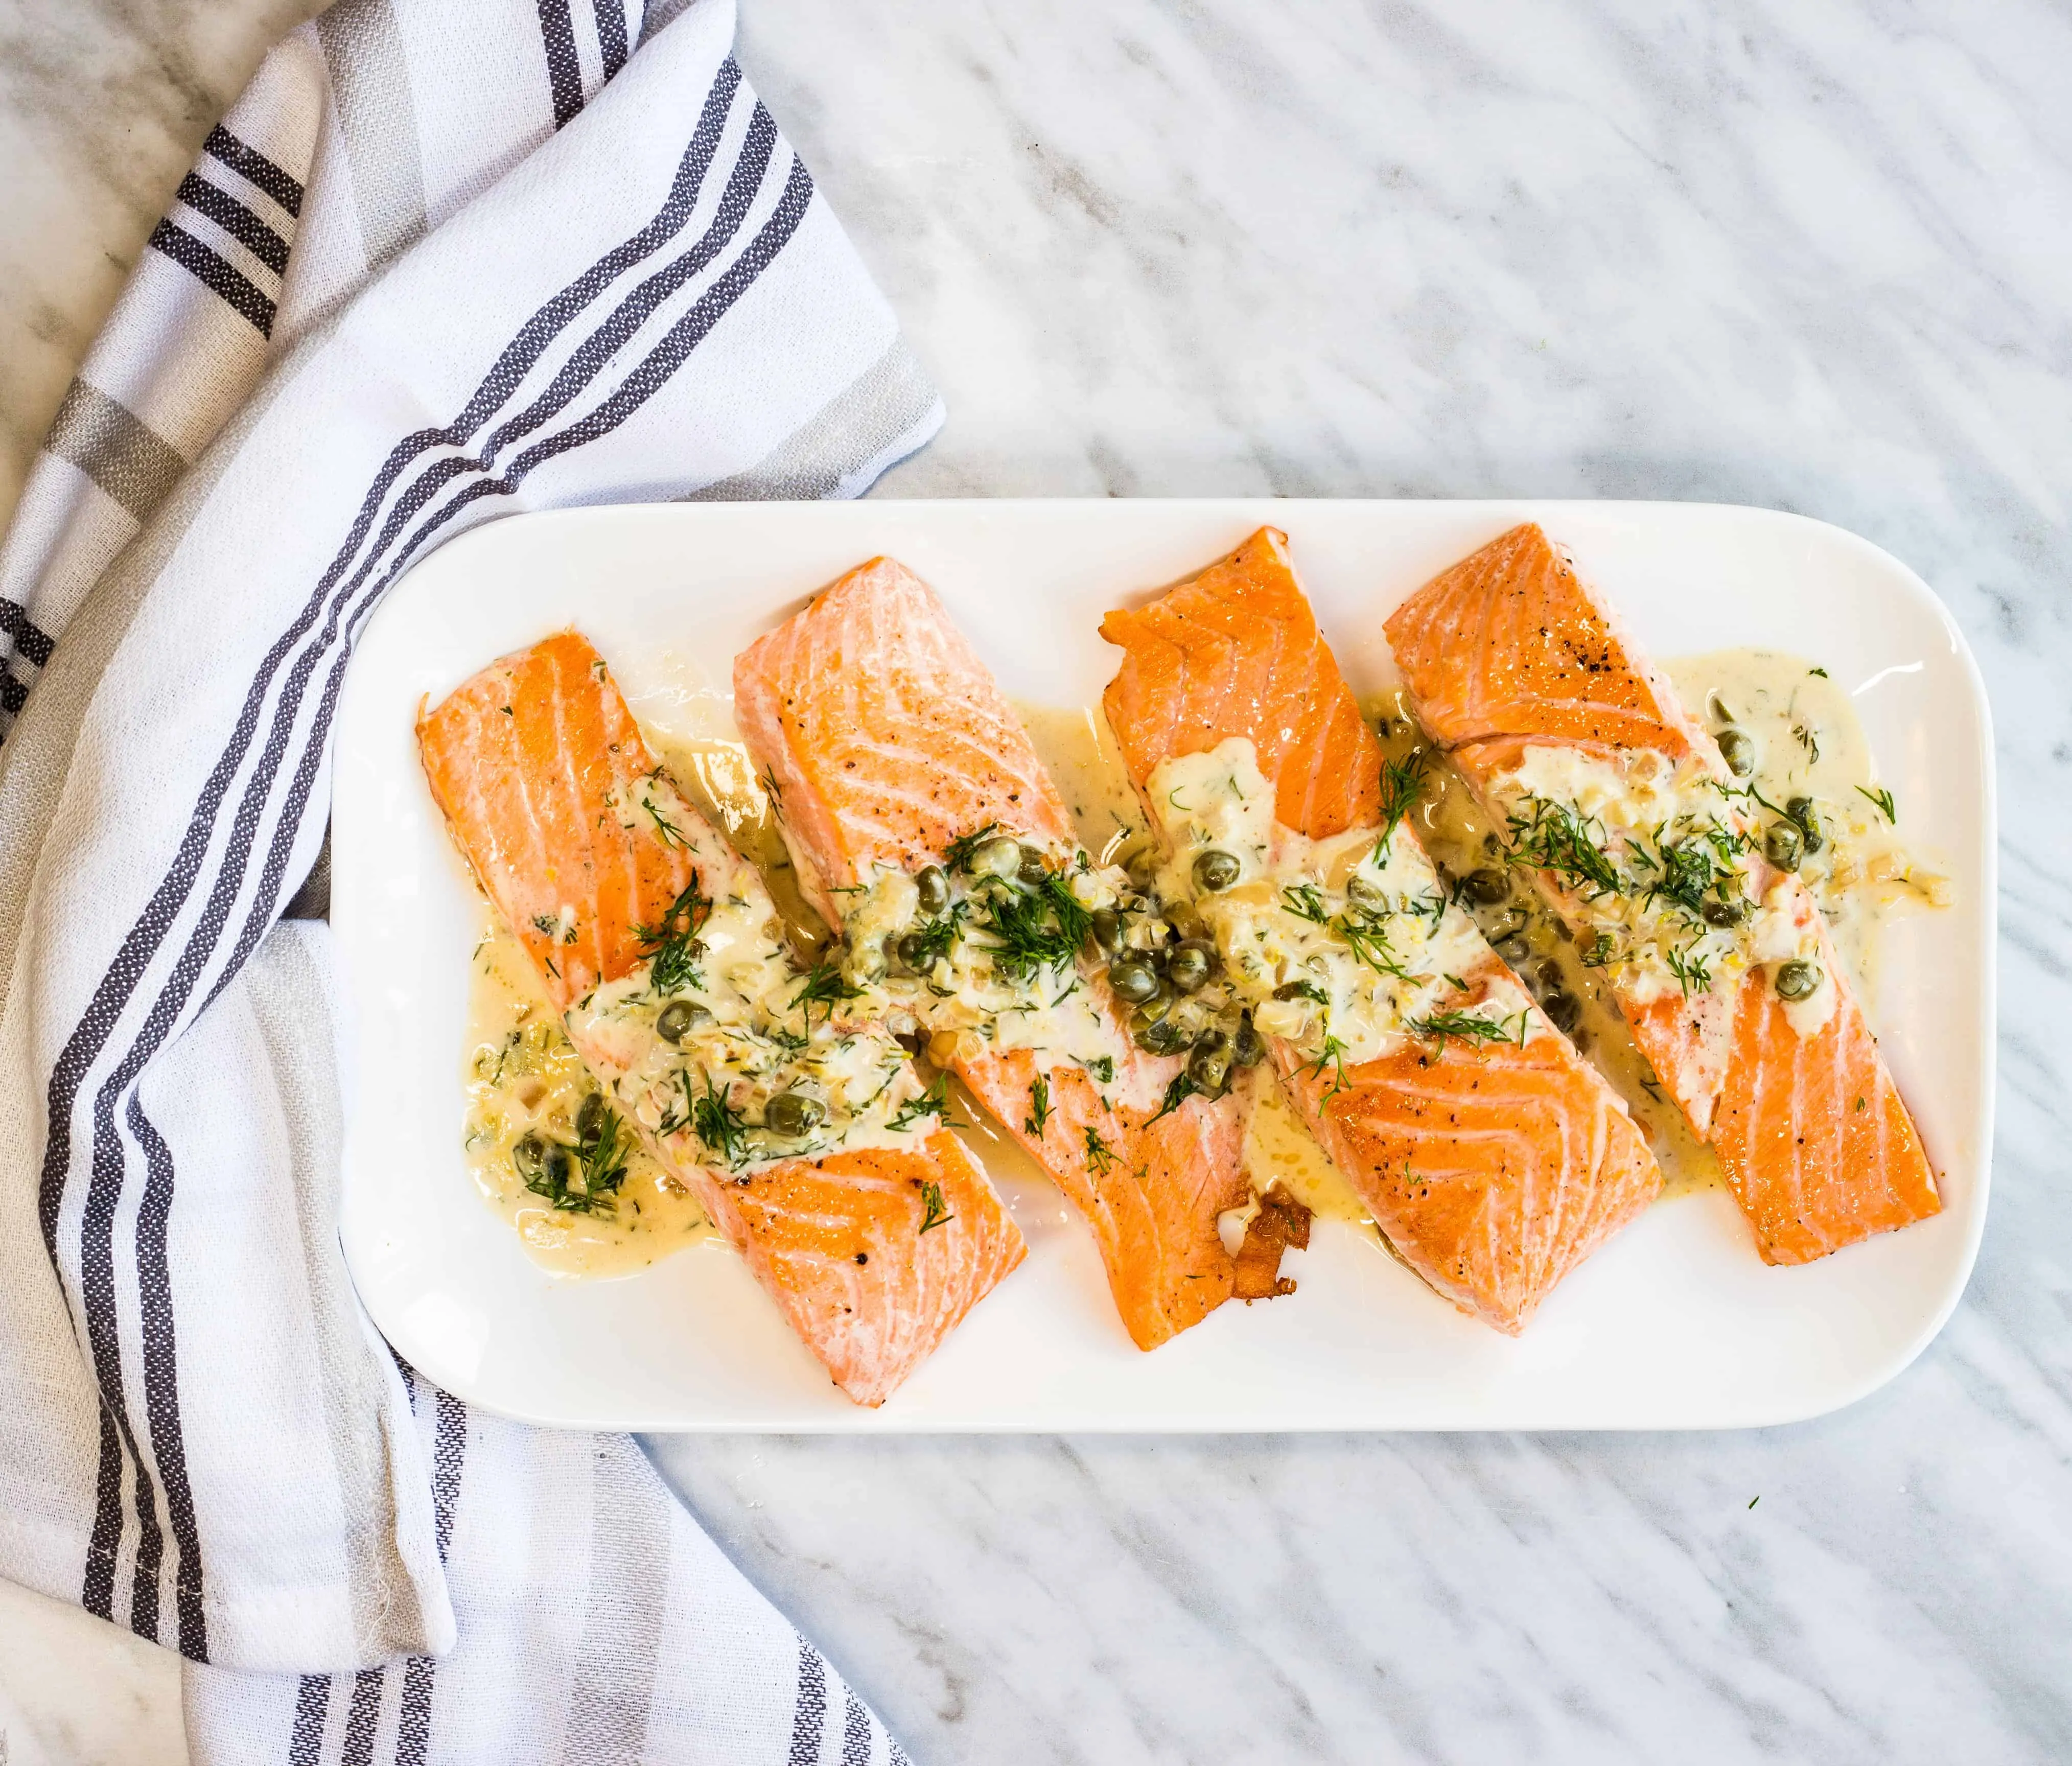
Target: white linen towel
point(446, 259)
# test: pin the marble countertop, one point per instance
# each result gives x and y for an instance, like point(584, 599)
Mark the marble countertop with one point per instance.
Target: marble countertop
point(1815, 257)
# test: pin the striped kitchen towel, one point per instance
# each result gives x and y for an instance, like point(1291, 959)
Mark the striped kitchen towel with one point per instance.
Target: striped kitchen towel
point(445, 259)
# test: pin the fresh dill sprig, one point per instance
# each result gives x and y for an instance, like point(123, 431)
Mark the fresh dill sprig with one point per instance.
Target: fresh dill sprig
point(1099, 1155)
point(1402, 785)
point(934, 938)
point(933, 1212)
point(1039, 1107)
point(1883, 799)
point(1305, 901)
point(1102, 1067)
point(604, 1160)
point(1692, 973)
point(1181, 1089)
point(598, 1163)
point(672, 944)
point(719, 1127)
point(1306, 989)
point(1471, 1027)
point(1037, 929)
point(1332, 1055)
point(957, 855)
point(1366, 936)
point(824, 986)
point(1552, 837)
point(935, 1101)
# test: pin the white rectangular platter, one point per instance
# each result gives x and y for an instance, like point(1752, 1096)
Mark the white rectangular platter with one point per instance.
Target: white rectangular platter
point(1676, 1324)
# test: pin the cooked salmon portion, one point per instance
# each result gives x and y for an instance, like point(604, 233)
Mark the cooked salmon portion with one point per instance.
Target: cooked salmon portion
point(1511, 656)
point(873, 1254)
point(889, 742)
point(1493, 1167)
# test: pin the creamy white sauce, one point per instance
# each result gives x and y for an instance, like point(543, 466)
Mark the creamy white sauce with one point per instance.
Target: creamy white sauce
point(1345, 948)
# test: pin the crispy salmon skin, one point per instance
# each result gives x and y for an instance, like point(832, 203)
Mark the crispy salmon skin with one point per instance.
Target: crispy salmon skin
point(873, 1254)
point(1520, 670)
point(1493, 1166)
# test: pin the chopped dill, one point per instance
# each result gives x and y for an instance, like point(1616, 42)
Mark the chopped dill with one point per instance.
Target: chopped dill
point(1692, 974)
point(1099, 1155)
point(1883, 799)
point(1037, 929)
point(1366, 936)
point(1808, 740)
point(1102, 1067)
point(672, 944)
point(934, 938)
point(825, 987)
point(1305, 901)
point(1552, 837)
point(719, 1127)
point(1039, 1107)
point(1332, 1055)
point(767, 779)
point(665, 830)
point(957, 855)
point(1304, 989)
point(1470, 1027)
point(935, 1101)
point(1821, 673)
point(1182, 1088)
point(544, 922)
point(933, 1213)
point(1402, 784)
point(598, 1164)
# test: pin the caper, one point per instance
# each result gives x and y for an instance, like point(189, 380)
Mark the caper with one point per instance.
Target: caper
point(1365, 892)
point(1133, 979)
point(1565, 1011)
point(1784, 845)
point(998, 857)
point(1033, 871)
point(1155, 1031)
point(912, 951)
point(529, 1155)
point(1247, 1048)
point(1209, 1066)
point(864, 965)
point(1215, 871)
point(931, 889)
point(1295, 989)
point(1513, 949)
point(793, 1114)
point(1190, 964)
point(1599, 952)
point(1181, 921)
point(1797, 981)
point(1723, 909)
point(1487, 886)
point(1106, 925)
point(1142, 866)
point(1803, 811)
point(1738, 749)
point(590, 1118)
point(1548, 974)
point(678, 1018)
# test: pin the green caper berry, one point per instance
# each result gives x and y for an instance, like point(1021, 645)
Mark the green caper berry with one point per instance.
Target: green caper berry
point(1107, 927)
point(1565, 1011)
point(999, 857)
point(1189, 966)
point(1723, 909)
point(1807, 813)
point(793, 1114)
point(1134, 980)
point(1797, 981)
point(1216, 871)
point(1784, 845)
point(529, 1155)
point(1247, 1048)
point(590, 1118)
point(1738, 749)
point(1032, 870)
point(1488, 887)
point(1365, 892)
point(678, 1018)
point(931, 889)
point(1209, 1069)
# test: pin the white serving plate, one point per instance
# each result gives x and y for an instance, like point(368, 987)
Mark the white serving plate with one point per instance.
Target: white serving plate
point(1674, 1324)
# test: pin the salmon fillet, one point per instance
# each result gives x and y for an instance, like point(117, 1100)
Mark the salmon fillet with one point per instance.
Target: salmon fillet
point(571, 828)
point(889, 741)
point(1493, 1168)
point(1510, 652)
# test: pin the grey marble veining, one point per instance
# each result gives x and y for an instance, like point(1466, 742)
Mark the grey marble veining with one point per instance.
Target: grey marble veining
point(1813, 256)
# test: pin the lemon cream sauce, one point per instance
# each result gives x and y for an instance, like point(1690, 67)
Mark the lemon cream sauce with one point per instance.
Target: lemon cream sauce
point(523, 1077)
